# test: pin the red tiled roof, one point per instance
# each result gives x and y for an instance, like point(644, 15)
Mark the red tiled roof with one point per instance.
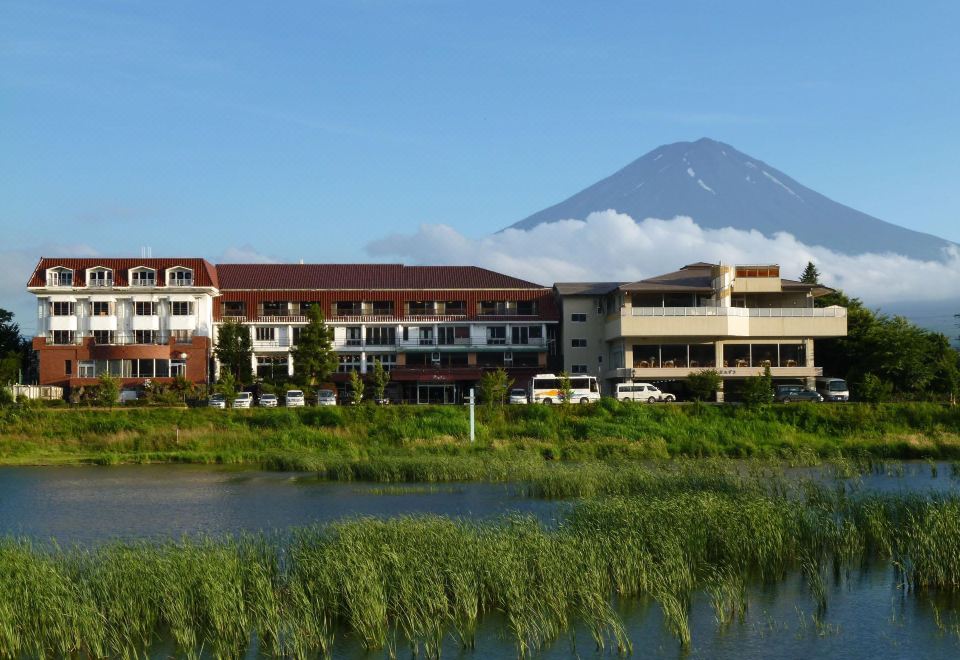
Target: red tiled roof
point(204, 273)
point(363, 276)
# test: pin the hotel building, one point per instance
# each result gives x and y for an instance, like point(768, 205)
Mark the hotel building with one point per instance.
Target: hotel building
point(735, 319)
point(435, 328)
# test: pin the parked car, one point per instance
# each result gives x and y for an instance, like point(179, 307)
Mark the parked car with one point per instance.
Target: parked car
point(833, 389)
point(326, 398)
point(793, 393)
point(293, 399)
point(242, 400)
point(517, 396)
point(267, 400)
point(217, 401)
point(642, 392)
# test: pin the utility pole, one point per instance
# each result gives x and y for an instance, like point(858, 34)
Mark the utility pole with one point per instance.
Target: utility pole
point(472, 407)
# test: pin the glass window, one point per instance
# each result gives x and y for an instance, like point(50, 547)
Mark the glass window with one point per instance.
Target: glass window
point(143, 278)
point(420, 307)
point(793, 355)
point(144, 308)
point(181, 336)
point(382, 307)
point(348, 363)
point(578, 343)
point(673, 355)
point(87, 369)
point(765, 355)
point(62, 308)
point(60, 277)
point(354, 336)
point(161, 368)
point(578, 318)
point(99, 308)
point(736, 355)
point(266, 333)
point(275, 308)
point(100, 277)
point(381, 335)
point(234, 308)
point(144, 336)
point(497, 334)
point(702, 356)
point(181, 308)
point(646, 356)
point(348, 308)
point(578, 369)
point(526, 307)
point(68, 367)
point(63, 336)
point(103, 336)
point(178, 367)
point(180, 277)
point(455, 307)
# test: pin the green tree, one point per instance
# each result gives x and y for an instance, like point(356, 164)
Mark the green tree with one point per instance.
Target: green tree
point(874, 389)
point(182, 386)
point(227, 385)
point(108, 391)
point(494, 386)
point(234, 350)
point(810, 274)
point(313, 357)
point(703, 384)
point(13, 348)
point(6, 398)
point(566, 389)
point(380, 379)
point(758, 389)
point(357, 387)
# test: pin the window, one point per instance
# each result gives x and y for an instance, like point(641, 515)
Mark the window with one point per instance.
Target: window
point(578, 318)
point(181, 336)
point(420, 307)
point(181, 308)
point(497, 334)
point(60, 277)
point(180, 277)
point(295, 337)
point(306, 305)
point(578, 343)
point(63, 336)
point(143, 308)
point(68, 367)
point(348, 308)
point(387, 360)
point(143, 278)
point(62, 308)
point(103, 336)
point(275, 308)
point(100, 277)
point(382, 307)
point(348, 363)
point(234, 308)
point(426, 336)
point(526, 307)
point(161, 368)
point(144, 336)
point(86, 369)
point(578, 368)
point(455, 307)
point(526, 334)
point(493, 307)
point(99, 308)
point(266, 333)
point(445, 335)
point(354, 336)
point(381, 336)
point(142, 368)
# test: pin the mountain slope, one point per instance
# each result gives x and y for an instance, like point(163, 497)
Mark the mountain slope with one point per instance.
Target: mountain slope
point(719, 186)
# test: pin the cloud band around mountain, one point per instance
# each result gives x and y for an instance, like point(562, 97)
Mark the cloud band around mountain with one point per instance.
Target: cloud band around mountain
point(610, 246)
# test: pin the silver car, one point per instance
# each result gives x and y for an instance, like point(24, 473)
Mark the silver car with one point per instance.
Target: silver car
point(267, 401)
point(217, 401)
point(293, 399)
point(243, 400)
point(517, 396)
point(326, 398)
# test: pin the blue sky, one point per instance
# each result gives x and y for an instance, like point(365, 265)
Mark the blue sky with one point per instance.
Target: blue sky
point(309, 129)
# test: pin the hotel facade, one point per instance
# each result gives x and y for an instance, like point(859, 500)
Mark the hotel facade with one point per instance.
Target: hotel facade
point(435, 328)
point(738, 320)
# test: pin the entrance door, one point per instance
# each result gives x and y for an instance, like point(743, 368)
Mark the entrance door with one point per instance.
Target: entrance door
point(436, 394)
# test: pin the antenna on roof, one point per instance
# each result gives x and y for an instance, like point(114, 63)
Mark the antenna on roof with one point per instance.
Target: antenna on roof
point(146, 251)
point(301, 262)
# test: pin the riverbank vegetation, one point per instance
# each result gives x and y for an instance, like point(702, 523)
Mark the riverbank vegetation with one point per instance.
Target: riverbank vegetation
point(424, 583)
point(325, 438)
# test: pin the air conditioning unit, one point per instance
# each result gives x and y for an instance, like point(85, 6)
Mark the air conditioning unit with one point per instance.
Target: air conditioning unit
point(435, 358)
point(508, 358)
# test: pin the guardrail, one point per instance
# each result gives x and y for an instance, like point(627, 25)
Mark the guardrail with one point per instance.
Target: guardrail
point(762, 312)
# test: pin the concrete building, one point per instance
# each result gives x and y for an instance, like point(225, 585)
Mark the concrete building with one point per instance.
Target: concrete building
point(735, 319)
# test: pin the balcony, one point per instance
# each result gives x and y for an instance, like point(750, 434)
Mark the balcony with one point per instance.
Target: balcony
point(671, 373)
point(281, 319)
point(472, 344)
point(180, 282)
point(727, 322)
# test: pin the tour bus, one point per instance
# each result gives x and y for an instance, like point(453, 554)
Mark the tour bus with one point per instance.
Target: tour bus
point(833, 389)
point(545, 388)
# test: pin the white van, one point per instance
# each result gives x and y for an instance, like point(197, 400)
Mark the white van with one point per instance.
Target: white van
point(642, 392)
point(833, 389)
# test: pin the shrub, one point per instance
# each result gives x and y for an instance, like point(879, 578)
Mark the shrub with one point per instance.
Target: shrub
point(108, 391)
point(703, 384)
point(758, 389)
point(874, 389)
point(6, 398)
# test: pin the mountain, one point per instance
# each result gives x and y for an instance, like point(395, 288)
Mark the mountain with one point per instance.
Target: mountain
point(719, 186)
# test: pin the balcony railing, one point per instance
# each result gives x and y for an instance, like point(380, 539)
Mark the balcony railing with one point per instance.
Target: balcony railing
point(762, 312)
point(176, 282)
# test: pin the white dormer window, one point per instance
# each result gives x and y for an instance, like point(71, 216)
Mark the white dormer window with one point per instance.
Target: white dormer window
point(143, 277)
point(59, 277)
point(179, 277)
point(99, 277)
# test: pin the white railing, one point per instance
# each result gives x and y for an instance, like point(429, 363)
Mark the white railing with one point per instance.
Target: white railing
point(175, 282)
point(761, 312)
point(280, 319)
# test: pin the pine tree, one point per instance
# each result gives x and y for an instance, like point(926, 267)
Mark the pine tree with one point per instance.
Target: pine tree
point(357, 387)
point(380, 379)
point(313, 357)
point(810, 274)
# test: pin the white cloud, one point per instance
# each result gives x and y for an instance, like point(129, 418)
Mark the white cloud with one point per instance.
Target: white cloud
point(611, 246)
point(244, 254)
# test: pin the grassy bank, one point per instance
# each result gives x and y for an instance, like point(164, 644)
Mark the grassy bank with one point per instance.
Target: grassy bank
point(329, 438)
point(413, 582)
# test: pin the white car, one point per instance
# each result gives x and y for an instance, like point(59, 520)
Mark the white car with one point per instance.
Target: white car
point(217, 401)
point(243, 400)
point(326, 398)
point(517, 396)
point(267, 401)
point(293, 399)
point(642, 392)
